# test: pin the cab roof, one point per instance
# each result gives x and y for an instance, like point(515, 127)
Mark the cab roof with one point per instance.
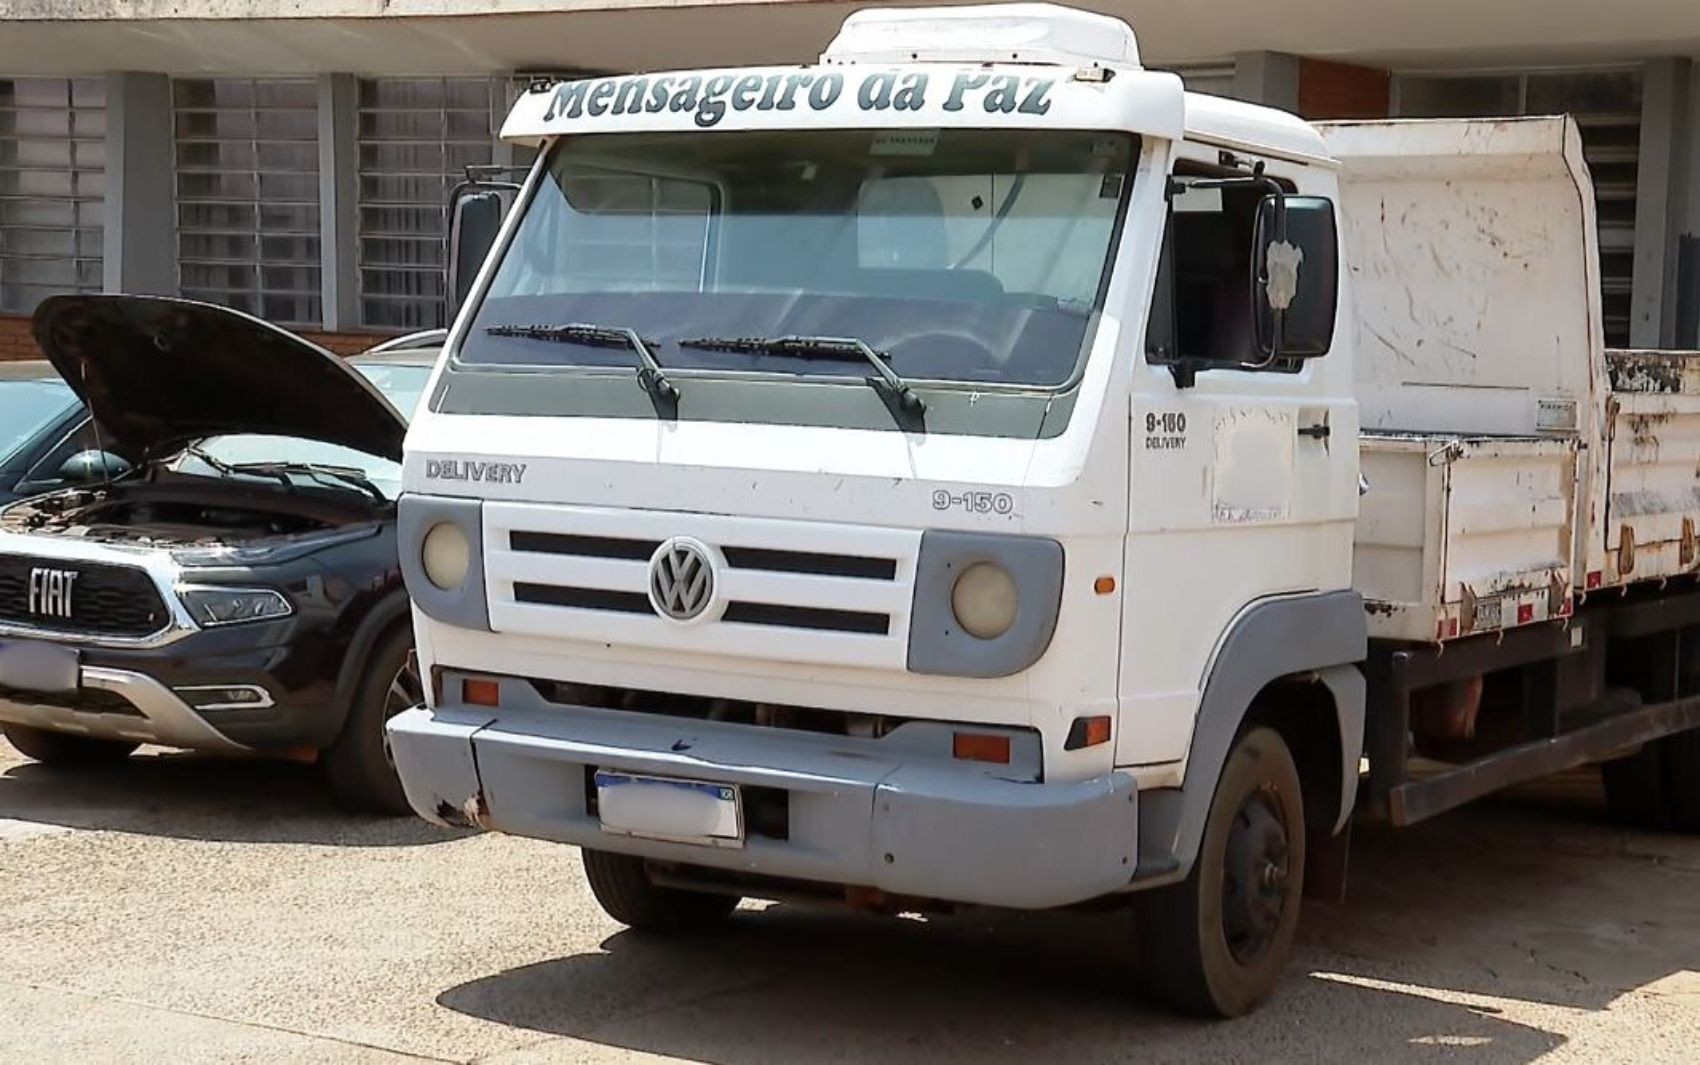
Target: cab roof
point(1253, 128)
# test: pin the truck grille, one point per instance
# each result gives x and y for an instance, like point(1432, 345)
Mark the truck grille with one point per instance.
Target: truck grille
point(737, 558)
point(106, 600)
point(800, 591)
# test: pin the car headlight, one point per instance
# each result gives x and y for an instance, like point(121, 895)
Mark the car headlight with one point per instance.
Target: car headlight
point(446, 555)
point(984, 600)
point(229, 606)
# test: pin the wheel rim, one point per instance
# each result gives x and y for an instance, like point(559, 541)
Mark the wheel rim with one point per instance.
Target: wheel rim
point(405, 691)
point(1254, 878)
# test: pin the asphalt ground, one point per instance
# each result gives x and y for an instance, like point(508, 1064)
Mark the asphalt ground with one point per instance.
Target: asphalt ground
point(186, 909)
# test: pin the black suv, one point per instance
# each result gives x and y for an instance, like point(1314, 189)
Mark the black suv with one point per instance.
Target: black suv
point(237, 588)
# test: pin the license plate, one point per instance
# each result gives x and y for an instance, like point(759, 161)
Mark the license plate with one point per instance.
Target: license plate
point(47, 668)
point(680, 811)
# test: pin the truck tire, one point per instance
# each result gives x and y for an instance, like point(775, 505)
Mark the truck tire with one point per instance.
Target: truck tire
point(1215, 943)
point(1635, 789)
point(63, 751)
point(357, 766)
point(1680, 755)
point(629, 896)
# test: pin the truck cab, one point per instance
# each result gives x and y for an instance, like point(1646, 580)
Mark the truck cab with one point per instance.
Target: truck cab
point(919, 479)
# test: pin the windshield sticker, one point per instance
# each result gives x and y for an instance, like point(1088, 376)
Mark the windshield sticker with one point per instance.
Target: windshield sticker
point(911, 142)
point(708, 98)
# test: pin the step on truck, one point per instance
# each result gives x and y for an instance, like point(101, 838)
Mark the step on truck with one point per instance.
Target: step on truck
point(973, 470)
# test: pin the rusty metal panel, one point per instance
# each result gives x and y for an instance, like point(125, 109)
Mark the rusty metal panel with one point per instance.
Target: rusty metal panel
point(1462, 535)
point(1653, 496)
point(1671, 373)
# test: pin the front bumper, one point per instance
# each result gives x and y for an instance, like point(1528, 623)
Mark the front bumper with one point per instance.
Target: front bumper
point(858, 814)
point(144, 695)
point(142, 711)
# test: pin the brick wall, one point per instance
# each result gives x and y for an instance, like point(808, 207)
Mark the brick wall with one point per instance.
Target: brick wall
point(15, 339)
point(1340, 90)
point(345, 343)
point(16, 342)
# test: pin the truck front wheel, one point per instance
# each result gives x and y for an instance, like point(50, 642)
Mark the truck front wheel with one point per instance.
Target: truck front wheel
point(624, 890)
point(1215, 943)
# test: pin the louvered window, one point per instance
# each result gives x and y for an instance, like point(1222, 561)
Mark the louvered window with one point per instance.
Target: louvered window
point(417, 136)
point(52, 188)
point(1217, 79)
point(247, 156)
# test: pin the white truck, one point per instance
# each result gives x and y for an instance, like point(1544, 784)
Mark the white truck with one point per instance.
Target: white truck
point(974, 470)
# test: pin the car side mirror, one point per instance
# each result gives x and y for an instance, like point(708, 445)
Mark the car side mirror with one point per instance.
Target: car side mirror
point(92, 467)
point(1295, 276)
point(476, 210)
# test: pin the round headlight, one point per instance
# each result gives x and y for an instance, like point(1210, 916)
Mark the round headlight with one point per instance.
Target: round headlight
point(447, 556)
point(983, 600)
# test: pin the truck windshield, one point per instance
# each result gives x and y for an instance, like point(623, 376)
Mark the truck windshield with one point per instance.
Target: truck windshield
point(976, 257)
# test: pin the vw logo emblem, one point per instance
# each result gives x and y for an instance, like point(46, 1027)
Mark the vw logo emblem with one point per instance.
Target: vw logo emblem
point(681, 579)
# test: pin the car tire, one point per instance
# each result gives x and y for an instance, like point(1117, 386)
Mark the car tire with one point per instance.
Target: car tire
point(64, 751)
point(357, 765)
point(626, 893)
point(1215, 944)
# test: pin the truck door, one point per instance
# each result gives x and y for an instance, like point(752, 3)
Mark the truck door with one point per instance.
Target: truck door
point(1243, 476)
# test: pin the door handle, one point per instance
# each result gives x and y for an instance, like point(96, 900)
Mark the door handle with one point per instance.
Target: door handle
point(1320, 431)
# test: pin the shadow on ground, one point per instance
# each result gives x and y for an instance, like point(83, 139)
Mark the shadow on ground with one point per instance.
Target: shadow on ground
point(785, 985)
point(1533, 897)
point(191, 796)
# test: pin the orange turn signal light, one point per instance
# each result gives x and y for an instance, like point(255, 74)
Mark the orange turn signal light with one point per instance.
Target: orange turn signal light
point(1104, 585)
point(1087, 732)
point(481, 692)
point(980, 747)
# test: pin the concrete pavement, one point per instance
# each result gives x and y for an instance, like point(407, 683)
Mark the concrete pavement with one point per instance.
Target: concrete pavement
point(186, 909)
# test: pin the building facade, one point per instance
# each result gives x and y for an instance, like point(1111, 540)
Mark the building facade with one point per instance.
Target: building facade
point(298, 167)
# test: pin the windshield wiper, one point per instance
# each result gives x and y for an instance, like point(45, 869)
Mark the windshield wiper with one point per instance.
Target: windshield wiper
point(822, 348)
point(651, 377)
point(347, 475)
point(225, 469)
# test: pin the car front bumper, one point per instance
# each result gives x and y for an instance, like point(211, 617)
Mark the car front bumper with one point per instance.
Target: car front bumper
point(857, 813)
point(151, 694)
point(138, 709)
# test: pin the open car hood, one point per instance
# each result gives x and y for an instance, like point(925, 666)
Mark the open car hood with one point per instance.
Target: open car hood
point(159, 372)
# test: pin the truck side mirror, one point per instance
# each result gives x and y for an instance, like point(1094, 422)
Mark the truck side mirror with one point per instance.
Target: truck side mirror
point(476, 210)
point(1295, 276)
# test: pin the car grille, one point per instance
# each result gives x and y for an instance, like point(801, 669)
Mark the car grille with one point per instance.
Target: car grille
point(106, 600)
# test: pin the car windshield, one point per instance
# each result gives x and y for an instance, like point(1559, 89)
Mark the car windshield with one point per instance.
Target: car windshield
point(236, 456)
point(960, 255)
point(27, 407)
